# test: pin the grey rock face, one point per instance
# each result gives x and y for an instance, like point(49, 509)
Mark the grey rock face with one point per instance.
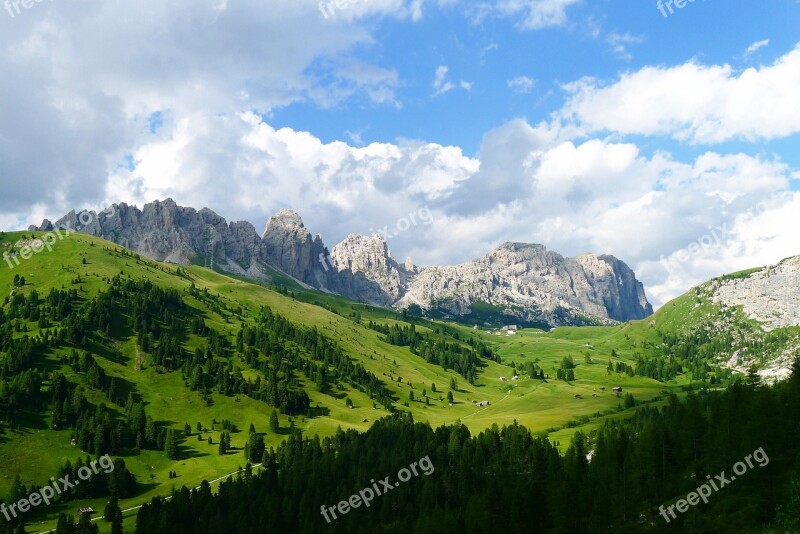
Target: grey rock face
point(528, 281)
point(287, 245)
point(371, 256)
point(535, 284)
point(771, 296)
point(165, 231)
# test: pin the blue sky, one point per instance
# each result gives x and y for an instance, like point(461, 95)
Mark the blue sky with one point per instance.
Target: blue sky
point(587, 126)
point(490, 52)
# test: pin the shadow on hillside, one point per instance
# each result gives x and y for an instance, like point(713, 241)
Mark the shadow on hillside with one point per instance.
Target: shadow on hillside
point(318, 411)
point(187, 453)
point(26, 422)
point(108, 353)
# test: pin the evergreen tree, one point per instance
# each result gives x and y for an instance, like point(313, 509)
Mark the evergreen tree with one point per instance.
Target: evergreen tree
point(223, 444)
point(86, 526)
point(274, 424)
point(255, 448)
point(171, 444)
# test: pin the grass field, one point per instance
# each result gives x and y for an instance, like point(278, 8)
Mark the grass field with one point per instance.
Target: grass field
point(36, 451)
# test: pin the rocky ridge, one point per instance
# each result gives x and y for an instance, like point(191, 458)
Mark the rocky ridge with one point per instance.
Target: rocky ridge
point(525, 281)
point(770, 296)
point(537, 284)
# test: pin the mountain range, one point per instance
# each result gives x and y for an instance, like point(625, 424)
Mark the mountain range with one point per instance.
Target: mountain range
point(514, 282)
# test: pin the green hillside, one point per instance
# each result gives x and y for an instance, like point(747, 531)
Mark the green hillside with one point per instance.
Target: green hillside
point(97, 325)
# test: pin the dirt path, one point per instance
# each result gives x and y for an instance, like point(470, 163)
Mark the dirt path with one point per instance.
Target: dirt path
point(166, 498)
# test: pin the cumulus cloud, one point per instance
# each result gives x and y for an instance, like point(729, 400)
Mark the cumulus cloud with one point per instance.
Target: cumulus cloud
point(607, 197)
point(86, 81)
point(693, 102)
point(244, 168)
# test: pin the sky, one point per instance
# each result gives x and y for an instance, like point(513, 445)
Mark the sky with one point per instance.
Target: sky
point(667, 136)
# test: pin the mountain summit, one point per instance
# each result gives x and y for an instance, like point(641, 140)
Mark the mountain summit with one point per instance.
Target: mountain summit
point(539, 284)
point(515, 281)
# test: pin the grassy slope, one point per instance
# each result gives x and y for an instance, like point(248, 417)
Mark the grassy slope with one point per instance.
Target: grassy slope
point(36, 451)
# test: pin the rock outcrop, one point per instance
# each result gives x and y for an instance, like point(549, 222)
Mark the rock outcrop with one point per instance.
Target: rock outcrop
point(371, 257)
point(287, 245)
point(536, 285)
point(770, 296)
point(524, 281)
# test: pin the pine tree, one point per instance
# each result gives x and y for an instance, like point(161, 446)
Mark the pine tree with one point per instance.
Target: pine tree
point(85, 525)
point(255, 448)
point(171, 444)
point(65, 525)
point(274, 424)
point(112, 510)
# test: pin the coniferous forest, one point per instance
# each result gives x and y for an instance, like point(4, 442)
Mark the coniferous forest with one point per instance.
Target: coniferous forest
point(507, 480)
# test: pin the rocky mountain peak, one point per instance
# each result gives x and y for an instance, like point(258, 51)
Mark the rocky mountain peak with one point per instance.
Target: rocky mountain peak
point(524, 280)
point(287, 219)
point(370, 257)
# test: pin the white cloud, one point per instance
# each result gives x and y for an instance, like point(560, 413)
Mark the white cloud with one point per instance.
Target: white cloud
point(755, 47)
point(442, 85)
point(522, 84)
point(606, 197)
point(619, 43)
point(236, 165)
point(752, 238)
point(693, 102)
point(535, 14)
point(82, 94)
